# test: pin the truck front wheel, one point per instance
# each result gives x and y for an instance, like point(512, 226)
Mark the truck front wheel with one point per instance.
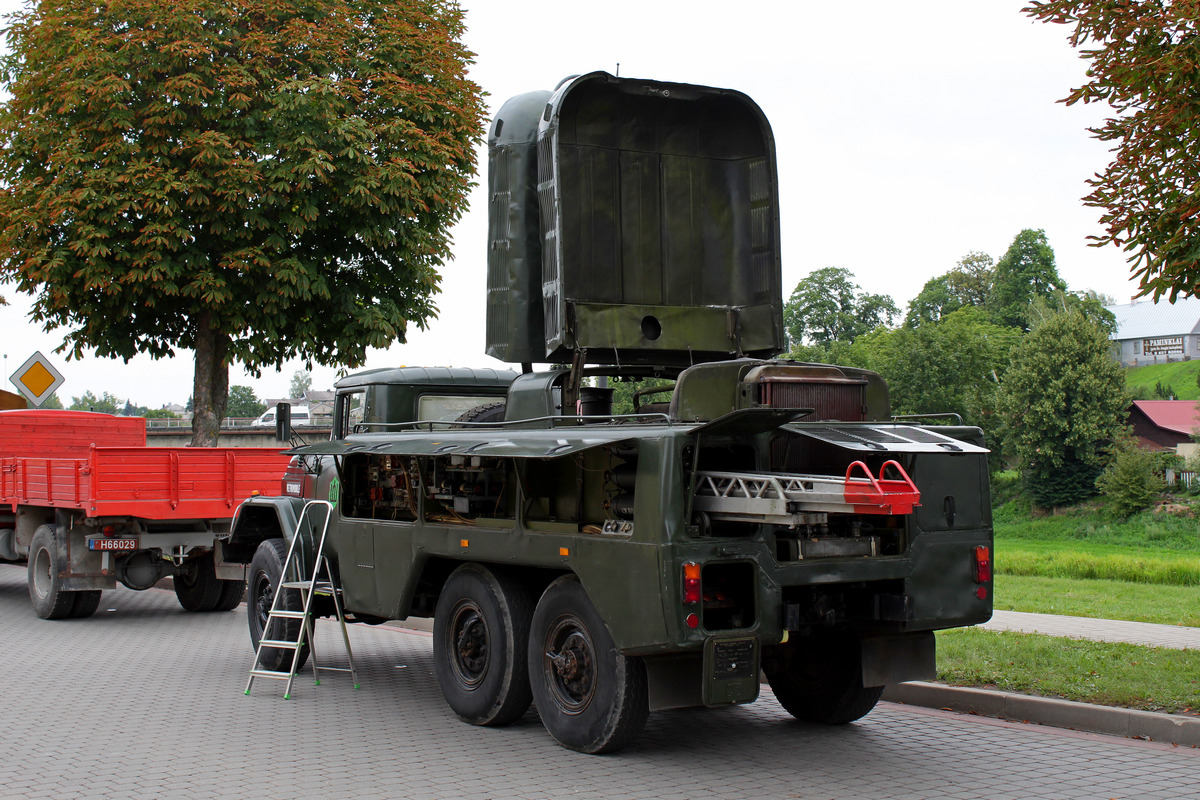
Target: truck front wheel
point(590, 697)
point(819, 678)
point(480, 638)
point(266, 571)
point(50, 600)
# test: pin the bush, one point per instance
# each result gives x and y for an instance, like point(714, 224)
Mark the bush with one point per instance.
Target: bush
point(1132, 481)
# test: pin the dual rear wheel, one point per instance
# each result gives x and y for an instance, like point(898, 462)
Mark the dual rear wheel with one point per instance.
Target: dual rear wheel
point(496, 651)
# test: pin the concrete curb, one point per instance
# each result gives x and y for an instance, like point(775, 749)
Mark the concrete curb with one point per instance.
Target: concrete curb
point(1128, 722)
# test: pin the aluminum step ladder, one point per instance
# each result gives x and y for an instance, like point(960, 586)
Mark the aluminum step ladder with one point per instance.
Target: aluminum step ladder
point(322, 583)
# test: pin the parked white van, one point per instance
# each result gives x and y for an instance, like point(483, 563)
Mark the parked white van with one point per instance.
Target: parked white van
point(300, 416)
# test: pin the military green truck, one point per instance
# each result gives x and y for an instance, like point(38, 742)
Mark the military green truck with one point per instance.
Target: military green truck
point(751, 516)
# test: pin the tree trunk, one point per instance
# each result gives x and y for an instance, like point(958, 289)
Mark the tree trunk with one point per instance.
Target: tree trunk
point(210, 388)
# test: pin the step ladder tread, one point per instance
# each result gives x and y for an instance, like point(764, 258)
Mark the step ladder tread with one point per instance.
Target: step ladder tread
point(280, 643)
point(270, 673)
point(289, 614)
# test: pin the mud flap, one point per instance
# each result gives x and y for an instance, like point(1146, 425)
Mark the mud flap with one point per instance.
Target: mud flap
point(731, 670)
point(895, 659)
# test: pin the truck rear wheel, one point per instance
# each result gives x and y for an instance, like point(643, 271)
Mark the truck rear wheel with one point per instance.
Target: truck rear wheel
point(819, 678)
point(480, 639)
point(590, 697)
point(196, 584)
point(50, 600)
point(86, 603)
point(266, 571)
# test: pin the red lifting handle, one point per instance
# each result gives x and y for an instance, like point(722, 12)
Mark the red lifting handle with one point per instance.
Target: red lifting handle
point(867, 473)
point(903, 475)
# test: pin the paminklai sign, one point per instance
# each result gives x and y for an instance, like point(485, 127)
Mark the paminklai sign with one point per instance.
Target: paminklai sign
point(1163, 346)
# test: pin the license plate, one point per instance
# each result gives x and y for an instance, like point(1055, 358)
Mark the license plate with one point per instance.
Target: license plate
point(112, 544)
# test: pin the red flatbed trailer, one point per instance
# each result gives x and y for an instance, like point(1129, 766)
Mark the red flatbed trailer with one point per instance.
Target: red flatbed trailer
point(87, 504)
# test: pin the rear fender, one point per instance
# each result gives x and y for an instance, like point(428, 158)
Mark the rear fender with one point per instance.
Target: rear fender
point(262, 518)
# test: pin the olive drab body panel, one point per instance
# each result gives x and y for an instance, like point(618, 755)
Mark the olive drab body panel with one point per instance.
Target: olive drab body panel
point(657, 208)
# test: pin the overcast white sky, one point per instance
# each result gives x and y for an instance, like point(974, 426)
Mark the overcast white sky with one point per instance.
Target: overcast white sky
point(907, 134)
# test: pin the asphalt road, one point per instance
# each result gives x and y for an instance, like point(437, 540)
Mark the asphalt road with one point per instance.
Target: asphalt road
point(145, 701)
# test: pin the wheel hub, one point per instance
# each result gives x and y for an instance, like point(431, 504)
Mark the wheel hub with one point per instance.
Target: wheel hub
point(571, 666)
point(469, 642)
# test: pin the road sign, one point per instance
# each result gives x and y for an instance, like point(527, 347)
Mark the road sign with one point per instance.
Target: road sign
point(37, 379)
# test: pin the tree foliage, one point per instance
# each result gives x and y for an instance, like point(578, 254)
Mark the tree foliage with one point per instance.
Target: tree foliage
point(828, 306)
point(105, 404)
point(254, 180)
point(1145, 64)
point(1133, 479)
point(1063, 401)
point(968, 284)
point(243, 402)
point(1026, 271)
point(301, 383)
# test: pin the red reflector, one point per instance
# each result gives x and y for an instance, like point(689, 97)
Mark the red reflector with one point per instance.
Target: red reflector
point(983, 564)
point(691, 584)
point(692, 621)
point(981, 593)
point(109, 530)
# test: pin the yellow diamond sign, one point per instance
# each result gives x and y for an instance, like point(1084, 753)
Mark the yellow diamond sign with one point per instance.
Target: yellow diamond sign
point(37, 379)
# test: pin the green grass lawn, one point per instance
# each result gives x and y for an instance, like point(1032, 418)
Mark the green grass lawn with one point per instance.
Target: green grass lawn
point(1099, 599)
point(1180, 376)
point(1082, 563)
point(1130, 676)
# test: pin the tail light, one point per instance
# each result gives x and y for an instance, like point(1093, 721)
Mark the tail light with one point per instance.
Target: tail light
point(983, 564)
point(691, 583)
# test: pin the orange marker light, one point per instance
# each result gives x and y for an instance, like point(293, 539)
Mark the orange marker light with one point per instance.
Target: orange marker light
point(464, 542)
point(564, 551)
point(691, 583)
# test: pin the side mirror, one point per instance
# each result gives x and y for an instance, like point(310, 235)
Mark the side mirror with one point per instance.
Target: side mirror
point(283, 422)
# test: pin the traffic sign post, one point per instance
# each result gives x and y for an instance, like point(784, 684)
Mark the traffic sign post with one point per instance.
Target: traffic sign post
point(37, 379)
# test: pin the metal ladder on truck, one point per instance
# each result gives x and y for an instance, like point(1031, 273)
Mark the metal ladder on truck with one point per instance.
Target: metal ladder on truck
point(320, 582)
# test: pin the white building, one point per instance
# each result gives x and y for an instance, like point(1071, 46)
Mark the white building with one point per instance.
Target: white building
point(1157, 333)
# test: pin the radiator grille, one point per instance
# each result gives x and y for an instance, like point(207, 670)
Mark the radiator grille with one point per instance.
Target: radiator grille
point(830, 401)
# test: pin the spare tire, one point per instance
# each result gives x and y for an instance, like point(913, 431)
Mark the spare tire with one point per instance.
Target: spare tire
point(488, 412)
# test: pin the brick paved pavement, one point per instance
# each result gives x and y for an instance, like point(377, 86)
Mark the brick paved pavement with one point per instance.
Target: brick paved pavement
point(1178, 637)
point(145, 701)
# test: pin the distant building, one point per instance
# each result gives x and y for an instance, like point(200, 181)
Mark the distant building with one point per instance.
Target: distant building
point(1157, 333)
point(1165, 424)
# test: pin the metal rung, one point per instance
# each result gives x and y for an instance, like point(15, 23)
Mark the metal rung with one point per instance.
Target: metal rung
point(320, 581)
point(270, 673)
point(283, 644)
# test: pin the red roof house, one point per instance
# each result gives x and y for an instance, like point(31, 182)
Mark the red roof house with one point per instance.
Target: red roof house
point(1164, 424)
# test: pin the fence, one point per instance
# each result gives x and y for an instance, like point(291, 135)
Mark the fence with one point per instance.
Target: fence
point(1186, 478)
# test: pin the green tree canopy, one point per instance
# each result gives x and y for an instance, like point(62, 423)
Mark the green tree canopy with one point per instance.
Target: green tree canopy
point(243, 402)
point(254, 180)
point(1145, 64)
point(1024, 272)
point(301, 383)
point(1064, 401)
point(105, 404)
point(968, 284)
point(828, 306)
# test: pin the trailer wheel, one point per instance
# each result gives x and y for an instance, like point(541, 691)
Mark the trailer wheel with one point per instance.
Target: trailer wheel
point(480, 638)
point(590, 697)
point(196, 584)
point(86, 603)
point(819, 678)
point(49, 599)
point(266, 571)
